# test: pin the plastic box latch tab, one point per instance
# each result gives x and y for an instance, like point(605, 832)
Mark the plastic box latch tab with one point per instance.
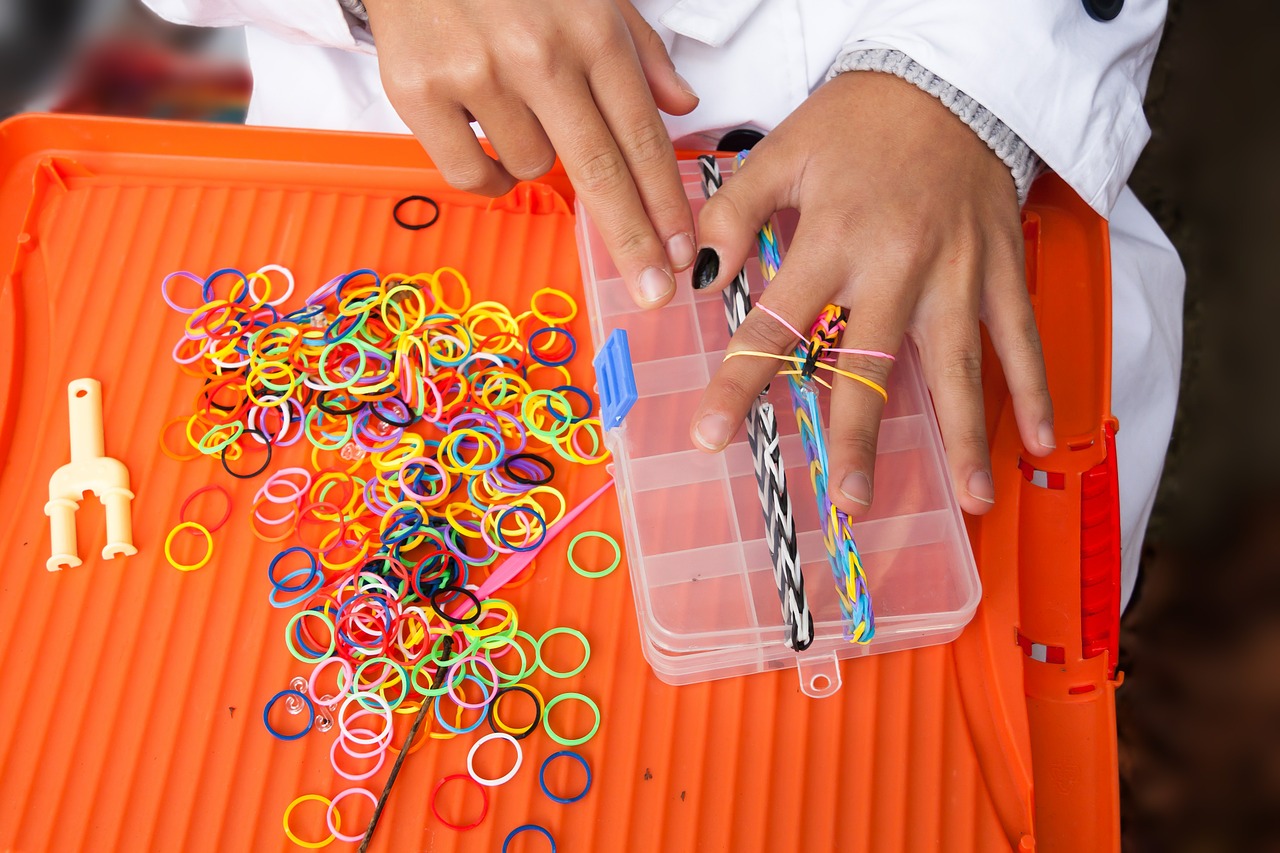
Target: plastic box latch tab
point(615, 380)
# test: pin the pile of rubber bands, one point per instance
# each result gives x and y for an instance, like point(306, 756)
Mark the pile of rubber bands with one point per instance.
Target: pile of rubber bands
point(436, 425)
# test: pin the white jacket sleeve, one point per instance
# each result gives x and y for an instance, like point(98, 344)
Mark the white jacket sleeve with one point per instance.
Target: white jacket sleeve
point(1070, 86)
point(316, 22)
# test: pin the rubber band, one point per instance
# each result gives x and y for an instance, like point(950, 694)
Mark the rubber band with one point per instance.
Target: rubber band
point(316, 657)
point(797, 360)
point(302, 697)
point(266, 462)
point(415, 226)
point(563, 741)
point(435, 795)
point(315, 582)
point(595, 534)
point(509, 775)
point(542, 776)
point(226, 512)
point(552, 362)
point(549, 319)
point(528, 827)
point(208, 551)
point(572, 632)
point(311, 571)
point(310, 845)
point(867, 352)
point(353, 777)
point(333, 822)
point(495, 722)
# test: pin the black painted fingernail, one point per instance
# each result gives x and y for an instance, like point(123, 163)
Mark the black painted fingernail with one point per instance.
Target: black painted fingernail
point(705, 268)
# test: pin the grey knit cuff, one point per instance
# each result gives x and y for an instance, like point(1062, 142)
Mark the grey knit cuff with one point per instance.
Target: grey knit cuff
point(355, 8)
point(1000, 138)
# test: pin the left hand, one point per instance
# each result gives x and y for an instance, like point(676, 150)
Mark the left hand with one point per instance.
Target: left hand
point(909, 220)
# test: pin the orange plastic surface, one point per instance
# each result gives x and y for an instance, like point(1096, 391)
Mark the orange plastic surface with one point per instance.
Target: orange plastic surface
point(133, 718)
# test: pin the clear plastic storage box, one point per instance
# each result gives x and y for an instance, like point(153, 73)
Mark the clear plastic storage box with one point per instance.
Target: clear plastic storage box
point(701, 572)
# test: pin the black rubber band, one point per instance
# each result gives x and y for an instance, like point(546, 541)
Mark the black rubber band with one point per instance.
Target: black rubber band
point(266, 463)
point(515, 688)
point(410, 226)
point(373, 407)
point(516, 476)
point(322, 404)
point(465, 593)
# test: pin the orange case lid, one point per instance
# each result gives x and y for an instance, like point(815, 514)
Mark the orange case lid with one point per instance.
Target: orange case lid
point(120, 733)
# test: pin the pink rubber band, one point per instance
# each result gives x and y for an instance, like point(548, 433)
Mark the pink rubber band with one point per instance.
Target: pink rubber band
point(333, 760)
point(333, 807)
point(867, 352)
point(462, 703)
point(315, 673)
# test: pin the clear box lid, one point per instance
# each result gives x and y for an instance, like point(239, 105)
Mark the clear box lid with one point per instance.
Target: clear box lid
point(701, 572)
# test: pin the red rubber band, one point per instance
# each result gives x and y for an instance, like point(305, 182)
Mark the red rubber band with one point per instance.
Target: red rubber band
point(436, 793)
point(214, 487)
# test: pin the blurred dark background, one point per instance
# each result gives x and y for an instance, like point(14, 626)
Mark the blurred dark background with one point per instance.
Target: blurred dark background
point(1199, 714)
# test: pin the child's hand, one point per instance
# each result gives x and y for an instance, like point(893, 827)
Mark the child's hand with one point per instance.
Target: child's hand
point(580, 77)
point(911, 222)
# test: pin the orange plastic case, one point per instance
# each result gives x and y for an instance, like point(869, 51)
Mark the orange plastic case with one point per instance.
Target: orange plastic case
point(132, 718)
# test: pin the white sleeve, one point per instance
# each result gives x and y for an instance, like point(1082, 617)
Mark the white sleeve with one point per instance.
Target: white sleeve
point(1070, 86)
point(317, 22)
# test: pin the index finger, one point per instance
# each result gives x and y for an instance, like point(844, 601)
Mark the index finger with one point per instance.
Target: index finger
point(627, 106)
point(603, 180)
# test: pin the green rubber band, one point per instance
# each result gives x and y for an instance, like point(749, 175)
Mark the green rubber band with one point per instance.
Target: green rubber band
point(526, 669)
point(586, 649)
point(586, 573)
point(404, 683)
point(363, 354)
point(432, 692)
point(209, 450)
point(306, 429)
point(546, 719)
point(288, 635)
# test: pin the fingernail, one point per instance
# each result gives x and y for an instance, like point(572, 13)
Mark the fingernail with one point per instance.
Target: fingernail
point(680, 251)
point(685, 87)
point(654, 284)
point(1046, 435)
point(981, 488)
point(713, 432)
point(857, 488)
point(706, 269)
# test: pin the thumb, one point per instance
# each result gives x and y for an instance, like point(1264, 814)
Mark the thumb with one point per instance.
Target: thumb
point(671, 92)
point(730, 220)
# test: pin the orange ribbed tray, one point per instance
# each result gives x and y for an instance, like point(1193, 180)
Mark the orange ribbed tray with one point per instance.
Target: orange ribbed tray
point(117, 732)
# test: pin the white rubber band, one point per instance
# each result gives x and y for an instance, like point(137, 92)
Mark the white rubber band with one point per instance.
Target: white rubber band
point(491, 783)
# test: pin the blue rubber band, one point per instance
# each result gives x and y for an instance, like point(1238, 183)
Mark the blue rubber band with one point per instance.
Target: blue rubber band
point(552, 330)
point(302, 596)
point(337, 291)
point(542, 776)
point(542, 535)
point(436, 708)
point(206, 289)
point(304, 315)
point(302, 644)
point(330, 337)
point(591, 406)
point(311, 714)
point(528, 827)
point(280, 585)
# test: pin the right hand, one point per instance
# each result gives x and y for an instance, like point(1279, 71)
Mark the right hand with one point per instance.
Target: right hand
point(584, 78)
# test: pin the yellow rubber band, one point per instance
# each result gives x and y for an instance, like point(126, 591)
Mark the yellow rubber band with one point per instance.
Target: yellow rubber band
point(796, 360)
point(310, 845)
point(208, 546)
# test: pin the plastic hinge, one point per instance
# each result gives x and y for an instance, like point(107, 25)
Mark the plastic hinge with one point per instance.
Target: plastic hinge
point(615, 380)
